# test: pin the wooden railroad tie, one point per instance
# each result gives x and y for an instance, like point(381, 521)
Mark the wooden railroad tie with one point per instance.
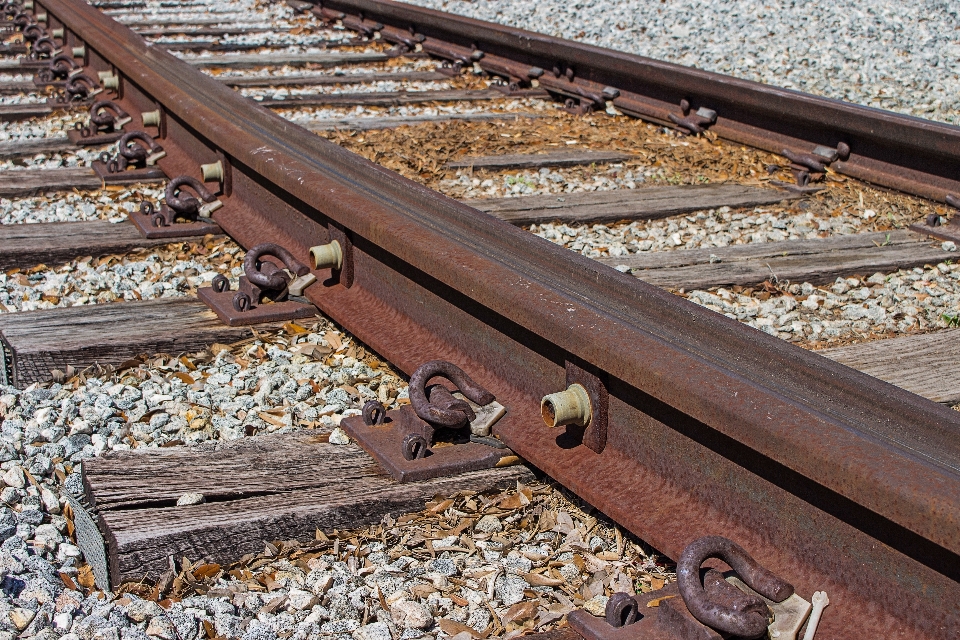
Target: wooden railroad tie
point(256, 489)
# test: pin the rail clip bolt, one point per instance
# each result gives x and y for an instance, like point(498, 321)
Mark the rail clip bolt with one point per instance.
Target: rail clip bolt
point(327, 256)
point(212, 172)
point(150, 118)
point(567, 407)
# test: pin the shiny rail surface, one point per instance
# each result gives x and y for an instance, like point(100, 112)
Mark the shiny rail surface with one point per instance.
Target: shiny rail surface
point(832, 479)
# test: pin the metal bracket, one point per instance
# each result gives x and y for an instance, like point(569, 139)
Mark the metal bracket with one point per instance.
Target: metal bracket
point(263, 292)
point(807, 166)
point(693, 123)
point(144, 224)
point(343, 275)
point(386, 437)
point(222, 303)
point(662, 615)
point(595, 434)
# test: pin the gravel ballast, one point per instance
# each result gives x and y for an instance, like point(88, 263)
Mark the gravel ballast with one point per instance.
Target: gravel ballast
point(901, 56)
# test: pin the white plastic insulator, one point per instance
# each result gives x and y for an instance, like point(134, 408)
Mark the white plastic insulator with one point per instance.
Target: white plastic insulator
point(327, 256)
point(212, 172)
point(79, 52)
point(42, 17)
point(57, 33)
point(567, 407)
point(112, 83)
point(209, 208)
point(153, 157)
point(150, 118)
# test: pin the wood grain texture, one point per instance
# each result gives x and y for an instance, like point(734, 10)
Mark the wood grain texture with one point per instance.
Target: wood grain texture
point(814, 261)
point(390, 122)
point(12, 87)
point(14, 112)
point(253, 60)
point(29, 182)
point(26, 245)
point(22, 148)
point(318, 80)
point(167, 22)
point(152, 32)
point(382, 98)
point(261, 488)
point(40, 341)
point(537, 160)
point(19, 183)
point(626, 204)
point(922, 364)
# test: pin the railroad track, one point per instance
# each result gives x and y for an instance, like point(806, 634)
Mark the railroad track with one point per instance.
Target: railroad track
point(696, 424)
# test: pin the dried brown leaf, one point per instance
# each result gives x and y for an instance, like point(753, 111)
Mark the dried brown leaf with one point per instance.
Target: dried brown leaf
point(538, 580)
point(452, 627)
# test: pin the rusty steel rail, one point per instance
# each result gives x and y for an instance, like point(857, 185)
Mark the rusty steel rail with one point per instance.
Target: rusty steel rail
point(830, 478)
point(901, 152)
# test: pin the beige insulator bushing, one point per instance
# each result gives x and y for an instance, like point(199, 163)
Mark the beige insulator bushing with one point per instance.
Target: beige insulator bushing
point(567, 407)
point(150, 118)
point(209, 208)
point(41, 17)
point(157, 155)
point(28, 5)
point(112, 83)
point(79, 52)
point(57, 33)
point(327, 256)
point(212, 172)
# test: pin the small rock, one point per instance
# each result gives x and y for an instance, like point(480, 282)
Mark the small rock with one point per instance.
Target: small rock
point(188, 499)
point(489, 524)
point(336, 627)
point(141, 610)
point(339, 436)
point(411, 615)
point(509, 588)
point(50, 501)
point(322, 584)
point(14, 477)
point(162, 627)
point(301, 600)
point(21, 617)
point(375, 631)
point(597, 605)
point(949, 246)
point(63, 621)
point(106, 633)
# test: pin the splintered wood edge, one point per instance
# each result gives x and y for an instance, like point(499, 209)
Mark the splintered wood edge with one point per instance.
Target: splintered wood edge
point(141, 541)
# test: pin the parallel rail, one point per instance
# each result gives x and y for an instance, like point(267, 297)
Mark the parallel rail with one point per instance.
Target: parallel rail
point(832, 479)
point(901, 152)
